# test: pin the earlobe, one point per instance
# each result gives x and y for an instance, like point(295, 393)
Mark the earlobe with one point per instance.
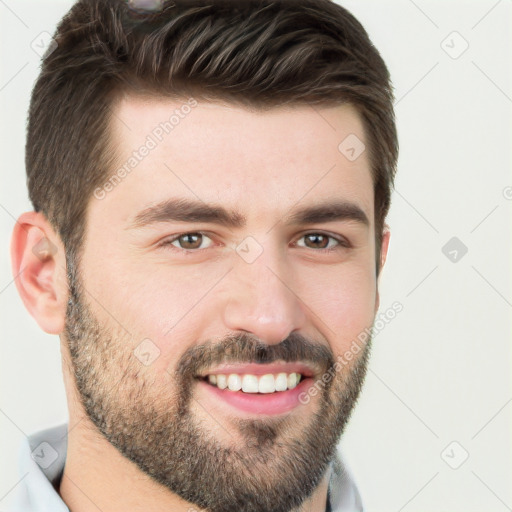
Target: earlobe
point(39, 269)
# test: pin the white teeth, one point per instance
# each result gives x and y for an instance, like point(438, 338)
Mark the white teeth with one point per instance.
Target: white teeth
point(267, 384)
point(234, 382)
point(293, 380)
point(281, 382)
point(222, 382)
point(249, 383)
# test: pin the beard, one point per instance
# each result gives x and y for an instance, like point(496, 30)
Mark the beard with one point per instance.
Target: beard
point(276, 462)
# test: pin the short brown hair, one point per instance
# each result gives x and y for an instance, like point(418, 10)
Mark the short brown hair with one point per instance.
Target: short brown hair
point(261, 54)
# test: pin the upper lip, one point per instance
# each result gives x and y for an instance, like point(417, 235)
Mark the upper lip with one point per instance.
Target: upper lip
point(304, 369)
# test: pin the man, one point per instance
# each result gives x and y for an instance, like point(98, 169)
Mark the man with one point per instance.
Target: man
point(210, 183)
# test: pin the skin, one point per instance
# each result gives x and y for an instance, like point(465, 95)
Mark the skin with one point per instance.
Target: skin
point(261, 164)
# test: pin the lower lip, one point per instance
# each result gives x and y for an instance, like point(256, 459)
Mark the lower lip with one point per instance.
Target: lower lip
point(260, 403)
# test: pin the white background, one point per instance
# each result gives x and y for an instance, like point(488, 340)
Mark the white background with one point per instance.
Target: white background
point(440, 371)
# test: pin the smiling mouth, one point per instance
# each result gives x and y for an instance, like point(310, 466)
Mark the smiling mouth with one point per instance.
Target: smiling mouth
point(258, 389)
point(250, 383)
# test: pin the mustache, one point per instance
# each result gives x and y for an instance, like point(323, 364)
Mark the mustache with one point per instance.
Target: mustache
point(246, 348)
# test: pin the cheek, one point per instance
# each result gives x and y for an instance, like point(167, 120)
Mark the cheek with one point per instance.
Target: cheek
point(344, 302)
point(164, 305)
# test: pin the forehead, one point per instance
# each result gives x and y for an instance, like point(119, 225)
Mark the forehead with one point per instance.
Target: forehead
point(259, 162)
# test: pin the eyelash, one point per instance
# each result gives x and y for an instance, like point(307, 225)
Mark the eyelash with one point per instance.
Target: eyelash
point(341, 242)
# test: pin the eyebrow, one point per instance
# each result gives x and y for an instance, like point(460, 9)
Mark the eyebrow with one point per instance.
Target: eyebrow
point(189, 210)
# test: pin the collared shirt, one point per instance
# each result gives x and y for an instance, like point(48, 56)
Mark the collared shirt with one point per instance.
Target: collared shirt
point(41, 462)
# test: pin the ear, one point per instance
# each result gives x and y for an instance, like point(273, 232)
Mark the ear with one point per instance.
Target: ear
point(386, 235)
point(39, 268)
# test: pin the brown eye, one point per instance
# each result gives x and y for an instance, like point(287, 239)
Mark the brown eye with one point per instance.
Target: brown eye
point(316, 241)
point(321, 241)
point(190, 241)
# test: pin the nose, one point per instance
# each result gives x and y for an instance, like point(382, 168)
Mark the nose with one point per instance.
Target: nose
point(262, 301)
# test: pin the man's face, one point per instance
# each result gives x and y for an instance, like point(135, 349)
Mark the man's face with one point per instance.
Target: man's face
point(165, 299)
